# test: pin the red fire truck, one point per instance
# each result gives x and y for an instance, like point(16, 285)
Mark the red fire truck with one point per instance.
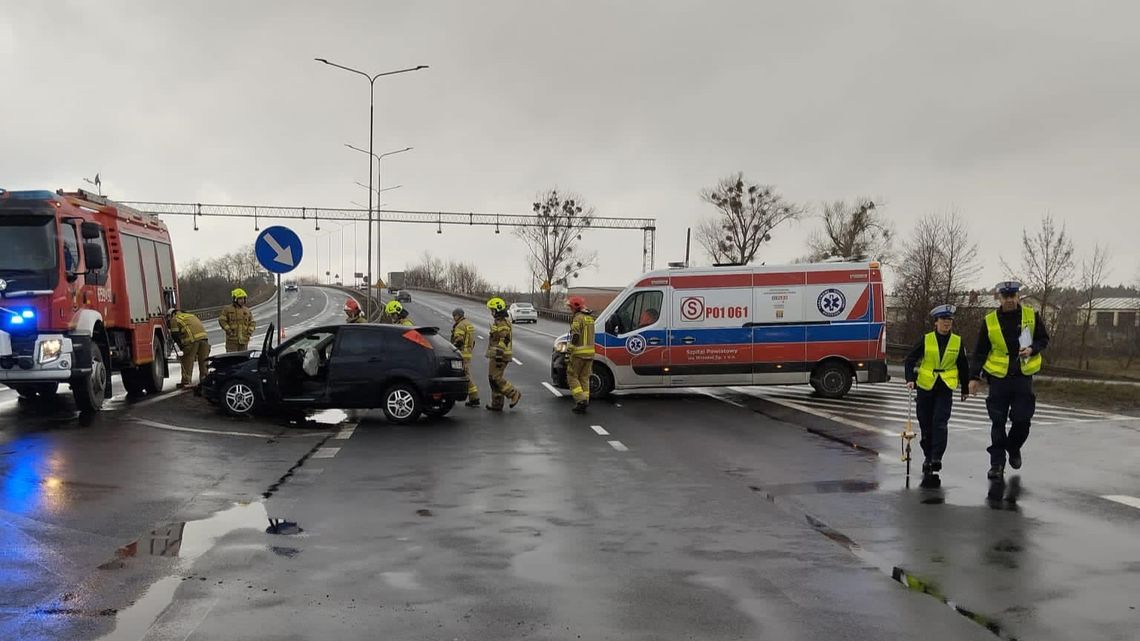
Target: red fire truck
point(84, 286)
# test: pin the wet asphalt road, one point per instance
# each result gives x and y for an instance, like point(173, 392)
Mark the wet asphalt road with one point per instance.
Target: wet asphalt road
point(683, 514)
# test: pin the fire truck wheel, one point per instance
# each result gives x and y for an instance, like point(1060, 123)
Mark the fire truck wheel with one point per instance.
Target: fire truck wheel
point(133, 380)
point(832, 379)
point(37, 391)
point(238, 398)
point(91, 390)
point(154, 375)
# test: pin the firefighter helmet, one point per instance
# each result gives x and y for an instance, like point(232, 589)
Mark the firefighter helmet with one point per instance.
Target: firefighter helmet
point(497, 304)
point(351, 306)
point(576, 303)
point(458, 313)
point(393, 308)
point(238, 293)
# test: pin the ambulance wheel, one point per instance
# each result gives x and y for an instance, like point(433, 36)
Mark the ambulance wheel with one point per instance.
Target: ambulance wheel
point(601, 381)
point(154, 375)
point(91, 390)
point(832, 379)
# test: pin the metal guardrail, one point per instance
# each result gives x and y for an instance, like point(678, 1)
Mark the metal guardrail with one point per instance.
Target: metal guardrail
point(552, 314)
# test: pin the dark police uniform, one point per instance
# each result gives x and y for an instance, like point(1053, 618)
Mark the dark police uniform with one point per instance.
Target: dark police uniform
point(1011, 396)
point(929, 366)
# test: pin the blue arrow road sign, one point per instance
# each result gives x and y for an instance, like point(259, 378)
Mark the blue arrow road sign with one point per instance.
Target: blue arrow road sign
point(278, 249)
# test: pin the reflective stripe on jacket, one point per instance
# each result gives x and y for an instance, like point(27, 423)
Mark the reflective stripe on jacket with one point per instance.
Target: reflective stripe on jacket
point(932, 368)
point(499, 340)
point(463, 338)
point(582, 335)
point(187, 329)
point(997, 361)
point(237, 323)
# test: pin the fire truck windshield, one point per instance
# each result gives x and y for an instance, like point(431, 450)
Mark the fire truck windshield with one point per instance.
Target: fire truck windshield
point(28, 255)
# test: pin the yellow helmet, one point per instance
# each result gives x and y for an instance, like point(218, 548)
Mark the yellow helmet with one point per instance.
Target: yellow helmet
point(238, 293)
point(497, 304)
point(393, 307)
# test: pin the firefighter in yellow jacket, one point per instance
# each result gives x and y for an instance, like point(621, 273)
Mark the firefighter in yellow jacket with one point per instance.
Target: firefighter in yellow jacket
point(499, 355)
point(581, 352)
point(237, 322)
point(463, 338)
point(395, 314)
point(190, 334)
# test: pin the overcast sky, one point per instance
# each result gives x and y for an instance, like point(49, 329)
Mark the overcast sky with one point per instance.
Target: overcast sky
point(1003, 111)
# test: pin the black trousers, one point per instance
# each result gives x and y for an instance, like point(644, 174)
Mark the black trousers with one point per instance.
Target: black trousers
point(1010, 399)
point(933, 409)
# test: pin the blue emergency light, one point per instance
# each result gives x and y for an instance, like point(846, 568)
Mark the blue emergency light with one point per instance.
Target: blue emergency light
point(21, 319)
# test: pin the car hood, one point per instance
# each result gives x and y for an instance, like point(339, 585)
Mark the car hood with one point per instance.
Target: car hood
point(233, 359)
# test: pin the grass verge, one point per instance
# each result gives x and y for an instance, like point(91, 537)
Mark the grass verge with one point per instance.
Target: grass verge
point(1090, 395)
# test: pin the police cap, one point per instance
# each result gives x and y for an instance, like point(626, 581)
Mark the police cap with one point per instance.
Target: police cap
point(1007, 287)
point(943, 311)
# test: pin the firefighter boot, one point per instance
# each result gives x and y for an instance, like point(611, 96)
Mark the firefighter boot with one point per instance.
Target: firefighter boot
point(474, 402)
point(516, 398)
point(580, 407)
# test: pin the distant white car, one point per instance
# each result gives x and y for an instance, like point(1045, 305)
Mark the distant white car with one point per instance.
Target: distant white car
point(522, 313)
point(290, 287)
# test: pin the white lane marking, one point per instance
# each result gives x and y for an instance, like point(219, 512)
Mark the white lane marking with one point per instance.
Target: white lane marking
point(1124, 499)
point(722, 399)
point(177, 428)
point(326, 452)
point(839, 418)
point(552, 389)
point(618, 445)
point(517, 361)
point(482, 338)
point(345, 433)
point(600, 430)
point(165, 396)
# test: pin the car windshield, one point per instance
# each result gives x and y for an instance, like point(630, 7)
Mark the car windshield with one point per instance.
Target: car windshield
point(526, 306)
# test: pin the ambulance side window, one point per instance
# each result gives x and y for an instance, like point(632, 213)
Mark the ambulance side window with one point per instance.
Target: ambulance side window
point(639, 310)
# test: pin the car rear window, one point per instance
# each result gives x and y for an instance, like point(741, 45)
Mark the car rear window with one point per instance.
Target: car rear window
point(442, 347)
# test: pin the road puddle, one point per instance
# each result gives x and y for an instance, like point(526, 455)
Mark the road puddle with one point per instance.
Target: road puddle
point(185, 541)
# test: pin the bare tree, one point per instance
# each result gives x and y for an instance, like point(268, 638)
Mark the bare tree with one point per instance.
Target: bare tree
point(1094, 270)
point(857, 231)
point(746, 215)
point(556, 254)
point(922, 274)
point(959, 256)
point(1047, 261)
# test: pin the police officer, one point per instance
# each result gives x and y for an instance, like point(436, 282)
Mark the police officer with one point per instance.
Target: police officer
point(942, 366)
point(581, 350)
point(237, 322)
point(352, 312)
point(499, 355)
point(1008, 355)
point(396, 314)
point(190, 334)
point(463, 338)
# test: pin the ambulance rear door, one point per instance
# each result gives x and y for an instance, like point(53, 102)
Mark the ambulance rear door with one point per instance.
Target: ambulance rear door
point(710, 342)
point(779, 335)
point(635, 338)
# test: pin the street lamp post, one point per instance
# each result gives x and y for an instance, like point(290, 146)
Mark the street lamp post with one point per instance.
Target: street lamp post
point(371, 129)
point(379, 183)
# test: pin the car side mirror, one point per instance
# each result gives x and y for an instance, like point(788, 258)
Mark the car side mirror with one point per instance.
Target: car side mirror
point(612, 325)
point(93, 257)
point(90, 231)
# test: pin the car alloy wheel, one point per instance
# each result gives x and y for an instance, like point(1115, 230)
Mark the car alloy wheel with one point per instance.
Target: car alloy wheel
point(401, 403)
point(239, 398)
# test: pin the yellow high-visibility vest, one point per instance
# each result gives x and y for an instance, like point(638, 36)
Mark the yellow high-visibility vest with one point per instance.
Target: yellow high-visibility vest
point(931, 368)
point(997, 361)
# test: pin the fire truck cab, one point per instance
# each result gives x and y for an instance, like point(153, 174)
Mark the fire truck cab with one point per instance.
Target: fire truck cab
point(84, 287)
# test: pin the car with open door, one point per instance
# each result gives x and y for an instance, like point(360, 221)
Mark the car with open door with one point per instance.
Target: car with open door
point(405, 371)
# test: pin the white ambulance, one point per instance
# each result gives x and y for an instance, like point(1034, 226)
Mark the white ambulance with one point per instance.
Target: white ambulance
point(821, 324)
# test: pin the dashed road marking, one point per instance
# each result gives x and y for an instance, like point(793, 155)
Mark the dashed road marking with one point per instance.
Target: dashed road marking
point(345, 433)
point(326, 452)
point(553, 390)
point(600, 430)
point(517, 361)
point(1123, 499)
point(161, 397)
point(618, 445)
